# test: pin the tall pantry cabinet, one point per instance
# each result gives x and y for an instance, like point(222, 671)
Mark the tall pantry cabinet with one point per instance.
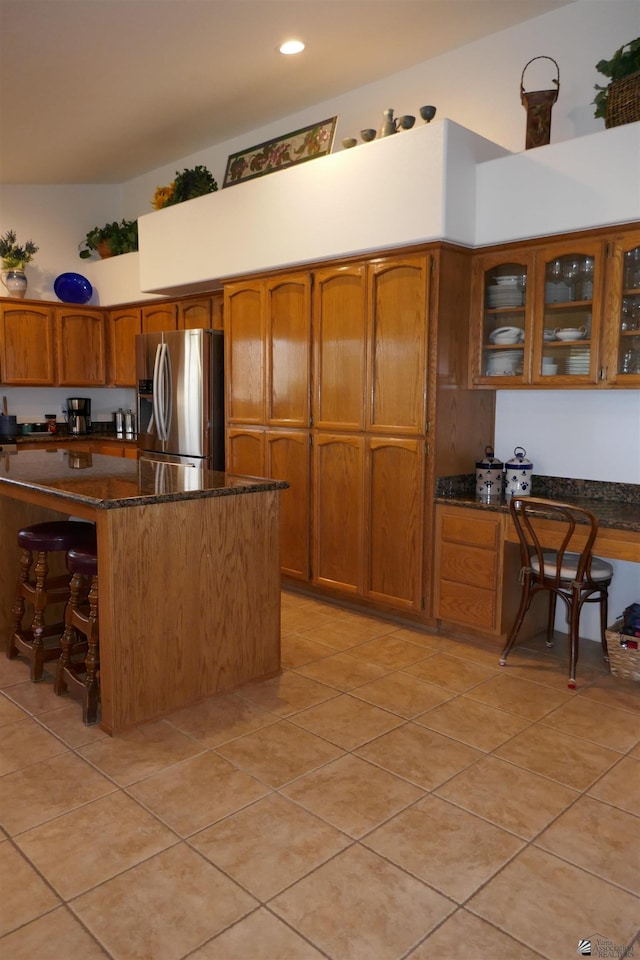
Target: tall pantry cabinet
point(333, 385)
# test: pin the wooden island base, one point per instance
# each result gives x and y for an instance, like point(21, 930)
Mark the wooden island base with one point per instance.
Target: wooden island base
point(189, 594)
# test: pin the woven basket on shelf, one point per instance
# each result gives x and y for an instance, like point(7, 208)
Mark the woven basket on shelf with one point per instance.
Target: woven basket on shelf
point(624, 662)
point(623, 101)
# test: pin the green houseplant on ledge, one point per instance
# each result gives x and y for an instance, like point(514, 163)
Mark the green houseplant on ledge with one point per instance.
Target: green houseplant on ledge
point(111, 240)
point(191, 183)
point(619, 102)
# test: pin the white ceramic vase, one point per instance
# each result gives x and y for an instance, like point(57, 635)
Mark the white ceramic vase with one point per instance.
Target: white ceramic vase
point(15, 281)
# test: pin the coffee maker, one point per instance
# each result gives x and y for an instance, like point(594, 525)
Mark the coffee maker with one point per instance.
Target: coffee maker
point(79, 414)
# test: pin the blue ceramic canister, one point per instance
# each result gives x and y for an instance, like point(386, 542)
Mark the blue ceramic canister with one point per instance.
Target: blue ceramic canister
point(518, 474)
point(489, 477)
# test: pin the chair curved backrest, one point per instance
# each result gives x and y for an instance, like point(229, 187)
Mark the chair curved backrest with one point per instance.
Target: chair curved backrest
point(555, 565)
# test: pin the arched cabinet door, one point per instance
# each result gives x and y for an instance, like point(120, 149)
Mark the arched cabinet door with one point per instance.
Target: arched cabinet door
point(340, 347)
point(245, 375)
point(288, 350)
point(394, 505)
point(81, 347)
point(338, 483)
point(27, 345)
point(621, 367)
point(288, 457)
point(397, 344)
point(124, 325)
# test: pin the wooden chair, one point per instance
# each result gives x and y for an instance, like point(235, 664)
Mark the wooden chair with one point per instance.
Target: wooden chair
point(570, 571)
point(81, 676)
point(41, 590)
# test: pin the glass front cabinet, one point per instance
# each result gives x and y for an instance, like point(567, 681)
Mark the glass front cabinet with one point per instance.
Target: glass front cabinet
point(502, 325)
point(568, 320)
point(563, 314)
point(622, 358)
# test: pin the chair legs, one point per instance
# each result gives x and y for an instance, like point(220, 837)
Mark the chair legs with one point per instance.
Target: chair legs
point(574, 608)
point(525, 603)
point(604, 622)
point(552, 618)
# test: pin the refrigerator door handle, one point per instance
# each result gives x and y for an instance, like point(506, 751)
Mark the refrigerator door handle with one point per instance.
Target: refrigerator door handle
point(157, 392)
point(168, 391)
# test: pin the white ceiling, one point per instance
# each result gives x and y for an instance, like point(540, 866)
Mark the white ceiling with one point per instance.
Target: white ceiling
point(99, 91)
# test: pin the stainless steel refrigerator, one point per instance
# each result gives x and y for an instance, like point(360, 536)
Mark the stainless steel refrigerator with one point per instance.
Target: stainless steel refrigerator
point(180, 376)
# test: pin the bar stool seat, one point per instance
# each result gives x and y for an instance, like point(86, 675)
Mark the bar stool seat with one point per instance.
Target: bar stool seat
point(41, 590)
point(78, 667)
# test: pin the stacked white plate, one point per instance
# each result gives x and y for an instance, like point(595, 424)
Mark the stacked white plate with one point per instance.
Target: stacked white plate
point(578, 362)
point(505, 295)
point(506, 363)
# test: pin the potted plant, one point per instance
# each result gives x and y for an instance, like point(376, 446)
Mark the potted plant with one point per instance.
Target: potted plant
point(111, 240)
point(14, 255)
point(623, 64)
point(191, 183)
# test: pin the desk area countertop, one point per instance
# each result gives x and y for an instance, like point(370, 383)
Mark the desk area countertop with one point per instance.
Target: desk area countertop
point(103, 482)
point(616, 506)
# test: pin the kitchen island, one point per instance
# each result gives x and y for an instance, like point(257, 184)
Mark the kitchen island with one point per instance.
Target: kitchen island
point(188, 566)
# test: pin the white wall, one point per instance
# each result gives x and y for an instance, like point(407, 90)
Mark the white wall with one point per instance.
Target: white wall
point(588, 434)
point(477, 86)
point(31, 404)
point(56, 218)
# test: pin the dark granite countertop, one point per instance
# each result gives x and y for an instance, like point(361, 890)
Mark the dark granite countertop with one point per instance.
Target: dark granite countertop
point(616, 505)
point(53, 438)
point(105, 482)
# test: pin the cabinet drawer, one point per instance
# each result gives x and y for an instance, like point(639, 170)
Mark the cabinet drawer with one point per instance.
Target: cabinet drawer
point(472, 565)
point(463, 603)
point(470, 530)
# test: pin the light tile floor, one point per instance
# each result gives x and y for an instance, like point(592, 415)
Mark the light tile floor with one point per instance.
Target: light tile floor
point(393, 794)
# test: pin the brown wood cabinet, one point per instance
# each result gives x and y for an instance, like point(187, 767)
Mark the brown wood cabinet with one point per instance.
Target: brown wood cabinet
point(267, 323)
point(201, 313)
point(27, 337)
point(559, 313)
point(280, 455)
point(371, 335)
point(346, 358)
point(81, 346)
point(476, 586)
point(621, 361)
point(124, 326)
point(159, 316)
point(338, 512)
point(46, 344)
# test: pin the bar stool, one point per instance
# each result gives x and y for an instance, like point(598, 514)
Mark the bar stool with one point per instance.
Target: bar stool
point(41, 590)
point(80, 676)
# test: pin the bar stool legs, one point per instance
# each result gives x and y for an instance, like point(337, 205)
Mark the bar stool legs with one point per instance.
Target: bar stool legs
point(81, 677)
point(42, 591)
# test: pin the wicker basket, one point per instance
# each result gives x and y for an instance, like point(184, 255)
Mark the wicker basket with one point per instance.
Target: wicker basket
point(623, 101)
point(624, 662)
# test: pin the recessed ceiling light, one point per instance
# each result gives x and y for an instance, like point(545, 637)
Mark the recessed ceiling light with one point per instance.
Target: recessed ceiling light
point(292, 46)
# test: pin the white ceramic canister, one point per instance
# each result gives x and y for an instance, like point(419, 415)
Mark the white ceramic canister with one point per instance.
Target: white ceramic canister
point(489, 477)
point(518, 474)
